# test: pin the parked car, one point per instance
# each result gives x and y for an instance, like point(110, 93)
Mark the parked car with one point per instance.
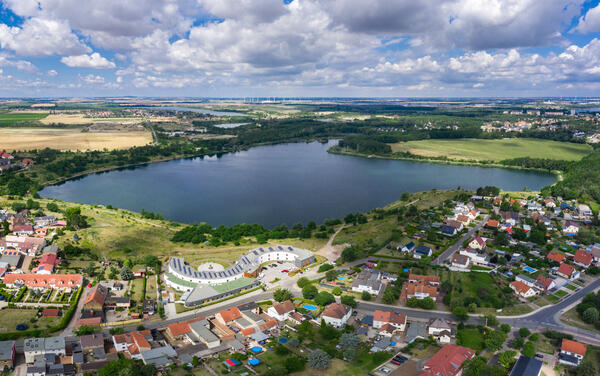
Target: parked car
point(384, 370)
point(541, 356)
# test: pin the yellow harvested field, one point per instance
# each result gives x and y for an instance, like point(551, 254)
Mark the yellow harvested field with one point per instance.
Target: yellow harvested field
point(69, 139)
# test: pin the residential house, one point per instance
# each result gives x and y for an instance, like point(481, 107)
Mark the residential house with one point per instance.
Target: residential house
point(584, 210)
point(456, 224)
point(549, 203)
point(526, 366)
point(555, 256)
point(90, 342)
point(422, 251)
point(368, 280)
point(522, 290)
point(475, 257)
point(510, 217)
point(55, 345)
point(545, 283)
point(407, 248)
point(281, 311)
point(149, 307)
point(448, 361)
point(336, 314)
point(23, 230)
point(44, 281)
point(571, 352)
point(422, 286)
point(90, 318)
point(159, 357)
point(448, 230)
point(526, 280)
point(95, 300)
point(7, 355)
point(440, 329)
point(460, 261)
point(397, 320)
point(32, 348)
point(140, 273)
point(477, 243)
point(492, 223)
point(229, 315)
point(200, 329)
point(180, 330)
point(583, 258)
point(571, 228)
point(567, 271)
point(465, 220)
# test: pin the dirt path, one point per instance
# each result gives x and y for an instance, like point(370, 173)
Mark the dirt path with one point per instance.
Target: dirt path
point(332, 252)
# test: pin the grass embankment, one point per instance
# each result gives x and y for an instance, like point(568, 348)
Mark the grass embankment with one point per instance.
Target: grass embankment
point(10, 119)
point(571, 317)
point(69, 139)
point(494, 150)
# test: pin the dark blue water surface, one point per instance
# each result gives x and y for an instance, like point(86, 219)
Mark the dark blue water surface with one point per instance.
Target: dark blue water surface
point(271, 185)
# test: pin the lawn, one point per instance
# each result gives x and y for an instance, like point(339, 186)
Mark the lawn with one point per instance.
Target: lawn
point(480, 288)
point(137, 289)
point(69, 139)
point(494, 150)
point(151, 287)
point(553, 298)
point(367, 234)
point(10, 318)
point(471, 338)
point(572, 318)
point(571, 287)
point(561, 293)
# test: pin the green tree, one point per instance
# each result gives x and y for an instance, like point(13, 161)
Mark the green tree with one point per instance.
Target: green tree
point(505, 328)
point(491, 320)
point(281, 295)
point(52, 207)
point(500, 239)
point(348, 300)
point(302, 281)
point(349, 340)
point(127, 367)
point(324, 298)
point(587, 368)
point(74, 218)
point(460, 313)
point(318, 359)
point(349, 354)
point(294, 364)
point(337, 291)
point(474, 367)
point(507, 358)
point(331, 275)
point(591, 315)
point(524, 332)
point(126, 274)
point(495, 340)
point(85, 329)
point(528, 349)
point(309, 292)
point(365, 296)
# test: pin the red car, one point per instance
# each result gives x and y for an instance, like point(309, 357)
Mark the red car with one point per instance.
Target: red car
point(285, 271)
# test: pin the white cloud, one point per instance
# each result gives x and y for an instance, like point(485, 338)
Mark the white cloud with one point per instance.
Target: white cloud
point(41, 37)
point(94, 61)
point(52, 73)
point(92, 79)
point(589, 22)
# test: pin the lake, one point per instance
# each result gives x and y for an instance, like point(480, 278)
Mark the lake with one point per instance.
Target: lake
point(271, 185)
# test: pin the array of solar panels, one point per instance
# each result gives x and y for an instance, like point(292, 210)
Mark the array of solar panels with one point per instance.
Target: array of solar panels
point(247, 263)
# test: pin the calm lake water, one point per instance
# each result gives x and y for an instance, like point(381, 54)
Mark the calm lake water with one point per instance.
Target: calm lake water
point(271, 185)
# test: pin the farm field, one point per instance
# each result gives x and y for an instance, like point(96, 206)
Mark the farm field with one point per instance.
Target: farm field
point(69, 139)
point(494, 150)
point(10, 118)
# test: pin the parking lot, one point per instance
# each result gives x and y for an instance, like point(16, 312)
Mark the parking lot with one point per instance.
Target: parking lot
point(275, 270)
point(407, 367)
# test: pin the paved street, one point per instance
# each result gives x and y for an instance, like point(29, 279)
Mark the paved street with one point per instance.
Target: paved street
point(453, 248)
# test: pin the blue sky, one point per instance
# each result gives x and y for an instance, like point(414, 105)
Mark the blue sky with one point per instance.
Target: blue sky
point(238, 48)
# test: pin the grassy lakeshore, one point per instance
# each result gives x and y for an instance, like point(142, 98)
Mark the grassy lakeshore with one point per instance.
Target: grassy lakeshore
point(494, 150)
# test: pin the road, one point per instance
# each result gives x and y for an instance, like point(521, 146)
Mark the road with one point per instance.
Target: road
point(453, 248)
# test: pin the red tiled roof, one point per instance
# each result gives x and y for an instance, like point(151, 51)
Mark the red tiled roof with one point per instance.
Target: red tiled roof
point(566, 269)
point(448, 361)
point(583, 257)
point(97, 296)
point(544, 281)
point(336, 310)
point(45, 280)
point(520, 287)
point(284, 307)
point(230, 314)
point(556, 256)
point(50, 312)
point(493, 223)
point(573, 347)
point(389, 317)
point(248, 331)
point(180, 328)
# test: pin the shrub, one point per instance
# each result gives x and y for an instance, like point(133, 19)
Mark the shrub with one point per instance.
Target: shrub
point(319, 359)
point(325, 267)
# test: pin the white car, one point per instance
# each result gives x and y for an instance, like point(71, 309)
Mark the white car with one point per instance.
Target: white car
point(384, 370)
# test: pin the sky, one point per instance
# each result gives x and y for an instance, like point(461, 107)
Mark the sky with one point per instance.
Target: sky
point(299, 48)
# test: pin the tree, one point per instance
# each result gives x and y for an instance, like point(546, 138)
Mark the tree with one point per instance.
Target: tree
point(325, 267)
point(276, 370)
point(474, 367)
point(529, 349)
point(337, 291)
point(500, 238)
point(348, 300)
point(85, 329)
point(427, 303)
point(365, 296)
point(303, 281)
point(505, 328)
point(460, 313)
point(309, 292)
point(328, 332)
point(127, 367)
point(389, 295)
point(324, 298)
point(495, 340)
point(282, 295)
point(349, 354)
point(349, 340)
point(74, 218)
point(126, 274)
point(293, 342)
point(52, 207)
point(294, 364)
point(587, 368)
point(491, 320)
point(591, 315)
point(507, 358)
point(524, 332)
point(331, 275)
point(319, 359)
point(518, 342)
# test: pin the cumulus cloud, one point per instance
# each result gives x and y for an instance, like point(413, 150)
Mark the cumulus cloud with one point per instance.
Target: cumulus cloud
point(94, 61)
point(92, 79)
point(41, 37)
point(52, 73)
point(590, 22)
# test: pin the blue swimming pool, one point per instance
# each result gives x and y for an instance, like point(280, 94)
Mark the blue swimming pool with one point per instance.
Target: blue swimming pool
point(310, 307)
point(529, 269)
point(341, 278)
